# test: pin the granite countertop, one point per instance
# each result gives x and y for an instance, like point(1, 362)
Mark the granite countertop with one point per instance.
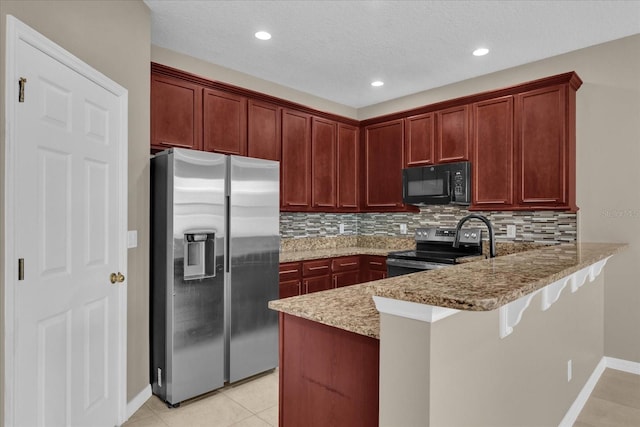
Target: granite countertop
point(481, 285)
point(293, 256)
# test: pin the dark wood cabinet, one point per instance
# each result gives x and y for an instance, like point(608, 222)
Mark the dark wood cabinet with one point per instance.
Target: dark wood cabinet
point(452, 134)
point(176, 113)
point(347, 167)
point(419, 140)
point(383, 162)
point(542, 148)
point(374, 267)
point(328, 376)
point(316, 275)
point(225, 122)
point(323, 163)
point(493, 154)
point(263, 130)
point(345, 271)
point(295, 165)
point(290, 279)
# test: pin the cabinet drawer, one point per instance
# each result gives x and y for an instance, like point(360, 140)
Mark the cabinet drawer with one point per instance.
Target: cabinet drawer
point(290, 271)
point(378, 263)
point(345, 263)
point(316, 268)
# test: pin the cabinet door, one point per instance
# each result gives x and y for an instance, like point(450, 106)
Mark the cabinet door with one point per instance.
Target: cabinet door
point(263, 130)
point(295, 166)
point(374, 267)
point(317, 283)
point(225, 122)
point(541, 147)
point(290, 288)
point(419, 139)
point(290, 274)
point(452, 134)
point(347, 167)
point(346, 278)
point(323, 166)
point(383, 159)
point(493, 154)
point(176, 113)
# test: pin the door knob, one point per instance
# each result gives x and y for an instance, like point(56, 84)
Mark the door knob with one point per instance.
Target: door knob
point(116, 278)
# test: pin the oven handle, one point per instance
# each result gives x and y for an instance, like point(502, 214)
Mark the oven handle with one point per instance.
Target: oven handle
point(420, 265)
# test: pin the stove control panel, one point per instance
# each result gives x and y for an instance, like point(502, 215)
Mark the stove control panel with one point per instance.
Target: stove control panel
point(471, 236)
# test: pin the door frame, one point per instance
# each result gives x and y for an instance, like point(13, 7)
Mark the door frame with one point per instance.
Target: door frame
point(16, 32)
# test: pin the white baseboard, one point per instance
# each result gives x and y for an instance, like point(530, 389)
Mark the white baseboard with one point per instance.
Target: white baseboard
point(623, 365)
point(572, 414)
point(137, 402)
point(606, 362)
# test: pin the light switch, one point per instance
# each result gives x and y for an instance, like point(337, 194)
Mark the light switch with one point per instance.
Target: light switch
point(132, 239)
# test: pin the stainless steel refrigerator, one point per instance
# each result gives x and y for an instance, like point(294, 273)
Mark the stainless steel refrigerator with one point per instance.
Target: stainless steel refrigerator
point(214, 266)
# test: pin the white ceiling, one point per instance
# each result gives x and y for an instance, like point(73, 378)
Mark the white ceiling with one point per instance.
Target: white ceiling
point(334, 49)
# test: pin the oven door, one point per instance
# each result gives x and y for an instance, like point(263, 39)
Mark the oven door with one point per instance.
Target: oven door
point(399, 267)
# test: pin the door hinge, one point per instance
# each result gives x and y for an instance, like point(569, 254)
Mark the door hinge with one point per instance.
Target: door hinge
point(22, 82)
point(21, 269)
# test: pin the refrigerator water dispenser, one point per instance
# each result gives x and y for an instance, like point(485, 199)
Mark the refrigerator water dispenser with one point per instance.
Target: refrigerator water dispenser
point(199, 255)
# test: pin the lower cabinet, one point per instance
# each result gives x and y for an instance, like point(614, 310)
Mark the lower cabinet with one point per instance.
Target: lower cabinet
point(345, 271)
point(298, 278)
point(374, 267)
point(290, 279)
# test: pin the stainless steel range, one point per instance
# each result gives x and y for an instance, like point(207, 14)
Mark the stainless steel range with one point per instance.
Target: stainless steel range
point(434, 249)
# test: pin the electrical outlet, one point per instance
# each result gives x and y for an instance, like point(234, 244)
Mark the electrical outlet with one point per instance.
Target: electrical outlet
point(132, 239)
point(403, 228)
point(511, 231)
point(569, 371)
point(341, 228)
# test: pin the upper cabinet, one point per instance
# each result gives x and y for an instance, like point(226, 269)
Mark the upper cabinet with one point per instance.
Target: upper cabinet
point(419, 140)
point(383, 162)
point(452, 134)
point(493, 154)
point(225, 122)
point(347, 167)
point(542, 146)
point(176, 113)
point(323, 163)
point(295, 165)
point(263, 133)
point(520, 141)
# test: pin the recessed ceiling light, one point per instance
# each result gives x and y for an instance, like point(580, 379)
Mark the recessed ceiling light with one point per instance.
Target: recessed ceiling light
point(377, 83)
point(263, 35)
point(481, 51)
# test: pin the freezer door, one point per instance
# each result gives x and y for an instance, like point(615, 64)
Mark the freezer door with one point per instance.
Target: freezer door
point(197, 322)
point(253, 268)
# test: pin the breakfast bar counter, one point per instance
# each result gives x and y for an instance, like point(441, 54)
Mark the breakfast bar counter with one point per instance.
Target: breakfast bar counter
point(482, 285)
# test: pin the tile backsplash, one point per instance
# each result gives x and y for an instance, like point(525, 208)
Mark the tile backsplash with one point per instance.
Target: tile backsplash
point(531, 226)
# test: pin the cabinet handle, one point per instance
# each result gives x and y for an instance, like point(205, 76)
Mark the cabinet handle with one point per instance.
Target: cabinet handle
point(299, 288)
point(288, 271)
point(335, 281)
point(348, 264)
point(306, 286)
point(375, 263)
point(319, 268)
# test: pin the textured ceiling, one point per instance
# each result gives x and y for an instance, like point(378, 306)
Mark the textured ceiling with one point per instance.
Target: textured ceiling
point(334, 49)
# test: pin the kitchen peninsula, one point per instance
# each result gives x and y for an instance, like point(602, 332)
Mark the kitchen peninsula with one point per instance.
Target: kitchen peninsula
point(464, 345)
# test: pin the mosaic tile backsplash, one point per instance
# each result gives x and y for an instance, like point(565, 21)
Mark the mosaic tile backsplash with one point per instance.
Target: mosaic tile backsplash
point(546, 227)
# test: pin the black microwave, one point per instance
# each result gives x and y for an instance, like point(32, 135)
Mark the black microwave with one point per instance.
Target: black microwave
point(444, 184)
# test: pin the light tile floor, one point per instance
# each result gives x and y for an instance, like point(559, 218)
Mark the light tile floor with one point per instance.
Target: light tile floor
point(614, 402)
point(250, 403)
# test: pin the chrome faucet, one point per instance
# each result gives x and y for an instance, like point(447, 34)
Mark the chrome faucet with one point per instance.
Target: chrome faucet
point(492, 239)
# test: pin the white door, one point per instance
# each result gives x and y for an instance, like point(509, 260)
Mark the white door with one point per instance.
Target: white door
point(68, 154)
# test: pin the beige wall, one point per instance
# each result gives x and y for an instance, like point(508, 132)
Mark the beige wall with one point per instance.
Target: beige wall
point(114, 38)
point(226, 75)
point(466, 375)
point(608, 156)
